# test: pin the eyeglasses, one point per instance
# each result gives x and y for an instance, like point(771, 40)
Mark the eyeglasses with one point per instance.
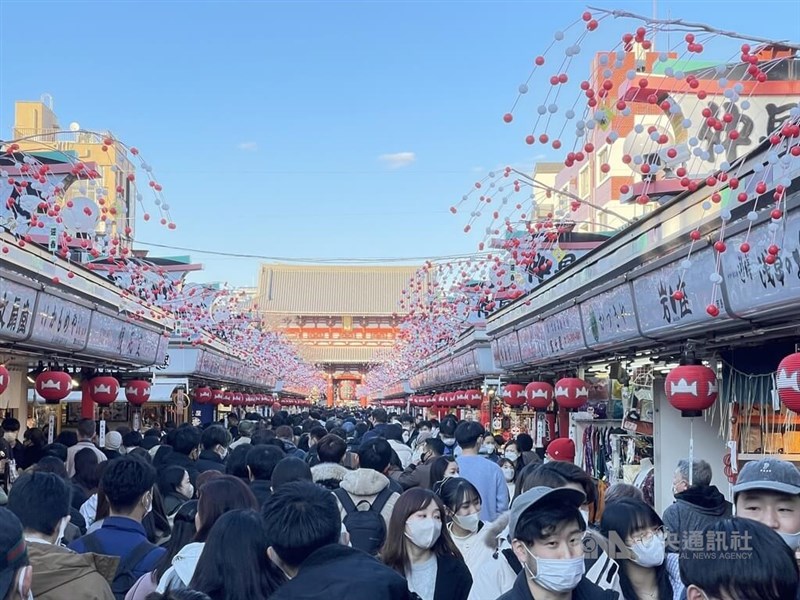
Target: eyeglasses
point(647, 536)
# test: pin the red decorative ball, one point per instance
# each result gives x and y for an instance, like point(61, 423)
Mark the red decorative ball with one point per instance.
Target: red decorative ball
point(540, 394)
point(137, 392)
point(104, 389)
point(691, 389)
point(787, 381)
point(203, 395)
point(770, 259)
point(571, 392)
point(473, 398)
point(744, 248)
point(712, 310)
point(719, 246)
point(5, 376)
point(695, 235)
point(773, 249)
point(508, 117)
point(514, 394)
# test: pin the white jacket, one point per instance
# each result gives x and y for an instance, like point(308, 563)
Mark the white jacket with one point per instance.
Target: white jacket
point(180, 574)
point(403, 452)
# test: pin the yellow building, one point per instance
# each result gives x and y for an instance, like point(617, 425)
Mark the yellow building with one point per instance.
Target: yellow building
point(37, 128)
point(545, 173)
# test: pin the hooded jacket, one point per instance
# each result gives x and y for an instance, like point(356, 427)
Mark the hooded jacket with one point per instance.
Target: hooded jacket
point(209, 461)
point(59, 573)
point(180, 574)
point(365, 485)
point(586, 590)
point(693, 510)
point(492, 576)
point(328, 475)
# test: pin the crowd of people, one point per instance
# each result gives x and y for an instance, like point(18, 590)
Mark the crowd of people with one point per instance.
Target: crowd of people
point(368, 506)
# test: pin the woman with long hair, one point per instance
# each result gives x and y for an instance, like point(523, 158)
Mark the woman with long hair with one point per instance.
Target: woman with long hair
point(175, 487)
point(217, 497)
point(234, 563)
point(443, 467)
point(637, 532)
point(86, 479)
point(421, 549)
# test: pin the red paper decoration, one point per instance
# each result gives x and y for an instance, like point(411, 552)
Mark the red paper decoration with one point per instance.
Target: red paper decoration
point(787, 380)
point(4, 378)
point(571, 392)
point(53, 386)
point(474, 398)
point(104, 389)
point(137, 392)
point(228, 398)
point(514, 394)
point(540, 394)
point(237, 399)
point(203, 395)
point(217, 397)
point(276, 407)
point(691, 389)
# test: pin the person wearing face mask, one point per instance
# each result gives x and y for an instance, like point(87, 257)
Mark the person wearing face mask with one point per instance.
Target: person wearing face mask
point(419, 474)
point(546, 533)
point(128, 484)
point(175, 488)
point(477, 541)
point(420, 548)
point(763, 568)
point(185, 442)
point(214, 441)
point(16, 449)
point(485, 475)
point(41, 502)
point(489, 448)
point(447, 433)
point(636, 536)
point(15, 569)
point(508, 467)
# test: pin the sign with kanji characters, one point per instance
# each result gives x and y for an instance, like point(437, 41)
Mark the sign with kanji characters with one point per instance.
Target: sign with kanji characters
point(60, 323)
point(609, 317)
point(17, 303)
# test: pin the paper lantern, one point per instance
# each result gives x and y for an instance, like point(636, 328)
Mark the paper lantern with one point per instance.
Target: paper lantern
point(787, 380)
point(571, 392)
point(53, 386)
point(514, 394)
point(276, 407)
point(691, 389)
point(4, 378)
point(137, 392)
point(104, 389)
point(539, 394)
point(474, 398)
point(237, 399)
point(203, 395)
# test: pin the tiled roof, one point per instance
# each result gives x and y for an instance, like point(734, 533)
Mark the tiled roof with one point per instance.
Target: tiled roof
point(340, 354)
point(331, 289)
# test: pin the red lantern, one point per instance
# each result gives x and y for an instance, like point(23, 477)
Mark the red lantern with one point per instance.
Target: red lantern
point(787, 380)
point(217, 397)
point(474, 398)
point(514, 394)
point(203, 395)
point(227, 398)
point(571, 392)
point(137, 392)
point(4, 378)
point(53, 386)
point(276, 407)
point(237, 399)
point(691, 389)
point(105, 389)
point(540, 394)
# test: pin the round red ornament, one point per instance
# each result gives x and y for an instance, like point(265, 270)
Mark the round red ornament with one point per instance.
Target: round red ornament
point(104, 389)
point(691, 389)
point(787, 380)
point(53, 386)
point(514, 394)
point(137, 392)
point(474, 398)
point(540, 394)
point(571, 392)
point(203, 395)
point(4, 378)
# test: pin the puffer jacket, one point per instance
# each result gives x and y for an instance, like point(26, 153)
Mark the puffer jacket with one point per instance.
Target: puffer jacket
point(59, 573)
point(328, 475)
point(180, 574)
point(365, 485)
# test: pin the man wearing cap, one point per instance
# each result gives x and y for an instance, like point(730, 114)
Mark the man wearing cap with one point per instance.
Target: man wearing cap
point(561, 449)
point(112, 446)
point(546, 532)
point(15, 570)
point(246, 430)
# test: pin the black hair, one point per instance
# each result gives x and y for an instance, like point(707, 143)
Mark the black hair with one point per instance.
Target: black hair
point(524, 442)
point(467, 434)
point(361, 429)
point(40, 500)
point(11, 424)
point(126, 480)
point(52, 464)
point(170, 479)
point(234, 563)
point(624, 518)
point(436, 445)
point(318, 432)
point(215, 435)
point(439, 466)
point(87, 429)
point(300, 518)
point(558, 474)
point(132, 439)
point(56, 450)
point(455, 491)
point(331, 449)
point(290, 469)
point(183, 532)
point(218, 496)
point(86, 469)
point(261, 437)
point(425, 424)
point(547, 519)
point(262, 459)
point(338, 431)
point(35, 436)
point(406, 418)
point(175, 594)
point(185, 439)
point(379, 414)
point(448, 428)
point(393, 432)
point(68, 438)
point(236, 464)
point(375, 454)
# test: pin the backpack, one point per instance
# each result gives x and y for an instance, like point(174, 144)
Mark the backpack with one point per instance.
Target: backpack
point(124, 578)
point(367, 528)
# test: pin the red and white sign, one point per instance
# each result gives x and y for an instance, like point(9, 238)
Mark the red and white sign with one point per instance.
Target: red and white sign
point(691, 388)
point(540, 394)
point(104, 389)
point(137, 392)
point(571, 392)
point(53, 386)
point(514, 394)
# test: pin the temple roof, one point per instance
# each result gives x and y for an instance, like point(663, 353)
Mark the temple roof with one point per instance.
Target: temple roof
point(340, 354)
point(332, 289)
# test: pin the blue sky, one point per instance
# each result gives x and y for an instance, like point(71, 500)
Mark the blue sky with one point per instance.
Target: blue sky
point(266, 121)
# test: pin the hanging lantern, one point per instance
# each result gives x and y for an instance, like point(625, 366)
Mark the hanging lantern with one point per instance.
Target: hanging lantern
point(203, 395)
point(228, 399)
point(474, 398)
point(276, 407)
point(571, 392)
point(539, 394)
point(514, 394)
point(217, 397)
point(691, 389)
point(238, 399)
point(137, 392)
point(4, 378)
point(104, 389)
point(459, 398)
point(53, 386)
point(788, 381)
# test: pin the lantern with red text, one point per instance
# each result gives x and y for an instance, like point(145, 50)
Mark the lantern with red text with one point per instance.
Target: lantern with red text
point(203, 395)
point(691, 389)
point(4, 378)
point(571, 392)
point(53, 386)
point(137, 392)
point(787, 381)
point(217, 397)
point(539, 394)
point(474, 398)
point(104, 389)
point(514, 394)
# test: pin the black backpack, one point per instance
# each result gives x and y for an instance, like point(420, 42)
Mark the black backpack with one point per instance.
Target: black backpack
point(124, 578)
point(367, 528)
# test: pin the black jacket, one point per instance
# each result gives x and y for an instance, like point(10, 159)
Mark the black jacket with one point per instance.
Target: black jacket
point(210, 461)
point(261, 490)
point(692, 511)
point(586, 590)
point(337, 571)
point(453, 579)
point(183, 461)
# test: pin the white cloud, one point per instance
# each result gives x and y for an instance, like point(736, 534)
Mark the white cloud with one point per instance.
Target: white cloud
point(248, 146)
point(398, 160)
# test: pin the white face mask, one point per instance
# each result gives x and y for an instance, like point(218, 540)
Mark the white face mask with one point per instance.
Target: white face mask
point(508, 473)
point(423, 533)
point(188, 492)
point(791, 539)
point(511, 455)
point(468, 522)
point(585, 515)
point(10, 436)
point(487, 449)
point(557, 575)
point(449, 441)
point(650, 553)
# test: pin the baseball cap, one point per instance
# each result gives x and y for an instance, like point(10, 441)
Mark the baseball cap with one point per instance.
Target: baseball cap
point(535, 495)
point(561, 449)
point(113, 440)
point(13, 552)
point(768, 474)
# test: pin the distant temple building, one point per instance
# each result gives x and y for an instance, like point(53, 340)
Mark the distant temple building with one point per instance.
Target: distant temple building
point(339, 316)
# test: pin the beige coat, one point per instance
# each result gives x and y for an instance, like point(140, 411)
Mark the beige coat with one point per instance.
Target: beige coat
point(366, 484)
